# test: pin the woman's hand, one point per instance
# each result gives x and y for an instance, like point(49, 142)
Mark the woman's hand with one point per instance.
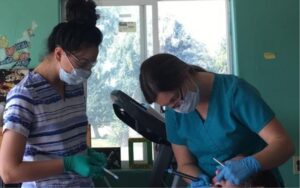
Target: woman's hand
point(203, 181)
point(87, 165)
point(238, 171)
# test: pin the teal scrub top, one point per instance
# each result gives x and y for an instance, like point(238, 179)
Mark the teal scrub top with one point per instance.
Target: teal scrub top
point(236, 114)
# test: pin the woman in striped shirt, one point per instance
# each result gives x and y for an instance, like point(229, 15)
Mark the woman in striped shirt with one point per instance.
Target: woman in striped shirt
point(44, 132)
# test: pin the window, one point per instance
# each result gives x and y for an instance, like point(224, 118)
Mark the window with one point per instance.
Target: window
point(195, 31)
point(117, 68)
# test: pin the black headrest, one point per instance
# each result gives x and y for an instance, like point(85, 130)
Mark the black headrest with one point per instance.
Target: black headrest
point(138, 118)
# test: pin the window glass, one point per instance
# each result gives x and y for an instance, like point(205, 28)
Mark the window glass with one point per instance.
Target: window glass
point(196, 32)
point(117, 68)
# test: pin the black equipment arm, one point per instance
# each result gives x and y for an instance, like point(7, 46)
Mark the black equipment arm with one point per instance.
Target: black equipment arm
point(138, 118)
point(148, 125)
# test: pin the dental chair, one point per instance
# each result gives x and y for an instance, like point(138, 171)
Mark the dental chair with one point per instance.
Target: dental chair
point(150, 124)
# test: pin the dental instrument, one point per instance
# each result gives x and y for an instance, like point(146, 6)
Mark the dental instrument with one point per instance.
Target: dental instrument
point(110, 173)
point(218, 162)
point(174, 172)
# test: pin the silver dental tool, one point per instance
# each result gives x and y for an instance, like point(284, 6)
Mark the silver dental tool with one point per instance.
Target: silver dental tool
point(110, 173)
point(218, 162)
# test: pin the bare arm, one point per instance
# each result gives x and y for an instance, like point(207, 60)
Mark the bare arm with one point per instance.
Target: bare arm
point(185, 161)
point(14, 170)
point(279, 149)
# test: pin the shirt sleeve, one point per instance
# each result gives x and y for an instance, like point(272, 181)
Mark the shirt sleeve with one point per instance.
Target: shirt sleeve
point(172, 128)
point(249, 107)
point(18, 114)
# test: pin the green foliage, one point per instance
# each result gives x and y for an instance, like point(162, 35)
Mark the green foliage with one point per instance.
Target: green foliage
point(220, 61)
point(117, 68)
point(181, 44)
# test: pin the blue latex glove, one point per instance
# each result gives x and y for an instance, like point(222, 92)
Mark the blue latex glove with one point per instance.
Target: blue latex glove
point(204, 182)
point(238, 171)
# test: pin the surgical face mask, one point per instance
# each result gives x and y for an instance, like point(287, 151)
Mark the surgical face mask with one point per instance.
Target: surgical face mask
point(190, 102)
point(77, 76)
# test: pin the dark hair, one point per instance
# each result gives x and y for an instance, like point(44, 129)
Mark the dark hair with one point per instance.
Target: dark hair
point(164, 72)
point(262, 179)
point(84, 10)
point(80, 31)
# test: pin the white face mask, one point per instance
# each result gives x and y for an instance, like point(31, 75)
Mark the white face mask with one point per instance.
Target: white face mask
point(190, 102)
point(77, 76)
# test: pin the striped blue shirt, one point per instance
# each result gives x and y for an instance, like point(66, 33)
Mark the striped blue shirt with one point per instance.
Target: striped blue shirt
point(55, 127)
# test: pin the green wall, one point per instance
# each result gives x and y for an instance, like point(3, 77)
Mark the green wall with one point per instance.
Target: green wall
point(271, 26)
point(16, 16)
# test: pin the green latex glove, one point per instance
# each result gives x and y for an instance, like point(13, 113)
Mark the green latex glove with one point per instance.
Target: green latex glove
point(87, 165)
point(97, 157)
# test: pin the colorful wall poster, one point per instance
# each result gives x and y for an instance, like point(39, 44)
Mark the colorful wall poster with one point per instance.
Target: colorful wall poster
point(24, 29)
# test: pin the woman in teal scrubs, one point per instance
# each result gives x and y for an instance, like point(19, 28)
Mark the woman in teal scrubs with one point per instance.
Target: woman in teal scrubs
point(211, 115)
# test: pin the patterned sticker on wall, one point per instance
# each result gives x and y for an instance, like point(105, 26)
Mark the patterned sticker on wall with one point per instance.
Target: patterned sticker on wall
point(8, 79)
point(16, 55)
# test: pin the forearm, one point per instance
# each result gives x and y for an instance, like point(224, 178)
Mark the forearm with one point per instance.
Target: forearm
point(30, 171)
point(279, 149)
point(186, 163)
point(275, 154)
point(190, 169)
